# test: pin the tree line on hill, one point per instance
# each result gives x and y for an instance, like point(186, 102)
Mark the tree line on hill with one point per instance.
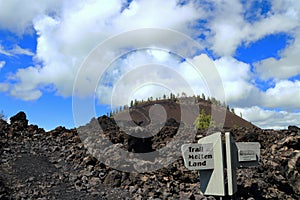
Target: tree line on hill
point(174, 98)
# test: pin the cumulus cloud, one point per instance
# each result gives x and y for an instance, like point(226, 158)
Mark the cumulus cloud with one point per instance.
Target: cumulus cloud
point(152, 72)
point(240, 89)
point(226, 24)
point(285, 94)
point(237, 81)
point(264, 118)
point(17, 15)
point(65, 40)
point(160, 14)
point(285, 67)
point(288, 15)
point(69, 30)
point(27, 90)
point(229, 28)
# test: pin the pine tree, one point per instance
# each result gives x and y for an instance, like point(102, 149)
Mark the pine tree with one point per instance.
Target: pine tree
point(208, 100)
point(232, 110)
point(136, 102)
point(204, 121)
point(131, 103)
point(203, 96)
point(172, 96)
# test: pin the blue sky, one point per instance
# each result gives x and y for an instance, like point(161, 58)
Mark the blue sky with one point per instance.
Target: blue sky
point(254, 45)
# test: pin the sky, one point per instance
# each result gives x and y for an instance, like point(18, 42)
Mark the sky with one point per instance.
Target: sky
point(253, 47)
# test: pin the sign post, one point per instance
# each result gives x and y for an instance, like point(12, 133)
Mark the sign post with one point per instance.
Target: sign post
point(208, 157)
point(209, 162)
point(231, 163)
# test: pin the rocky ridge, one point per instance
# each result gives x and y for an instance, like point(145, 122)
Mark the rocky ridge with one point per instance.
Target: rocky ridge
point(36, 164)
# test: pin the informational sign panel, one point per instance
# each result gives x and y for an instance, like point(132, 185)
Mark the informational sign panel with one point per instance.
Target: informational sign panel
point(248, 153)
point(198, 156)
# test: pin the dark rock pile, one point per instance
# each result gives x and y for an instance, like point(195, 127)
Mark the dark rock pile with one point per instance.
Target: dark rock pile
point(49, 165)
point(36, 164)
point(278, 173)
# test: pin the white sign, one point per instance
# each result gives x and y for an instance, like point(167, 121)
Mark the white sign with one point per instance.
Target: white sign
point(248, 151)
point(207, 156)
point(198, 156)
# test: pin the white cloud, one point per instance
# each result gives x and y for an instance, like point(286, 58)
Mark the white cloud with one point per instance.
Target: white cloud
point(17, 15)
point(289, 8)
point(66, 40)
point(288, 18)
point(159, 14)
point(4, 52)
point(287, 66)
point(229, 28)
point(2, 63)
point(269, 118)
point(68, 30)
point(27, 90)
point(285, 94)
point(28, 95)
point(17, 50)
point(237, 81)
point(240, 89)
point(151, 73)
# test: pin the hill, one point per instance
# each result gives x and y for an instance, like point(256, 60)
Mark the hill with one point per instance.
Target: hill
point(141, 113)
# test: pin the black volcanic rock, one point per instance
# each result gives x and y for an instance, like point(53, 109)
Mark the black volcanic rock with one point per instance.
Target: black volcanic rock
point(18, 125)
point(19, 118)
point(250, 137)
point(3, 126)
point(107, 123)
point(293, 128)
point(172, 122)
point(4, 190)
point(139, 145)
point(56, 165)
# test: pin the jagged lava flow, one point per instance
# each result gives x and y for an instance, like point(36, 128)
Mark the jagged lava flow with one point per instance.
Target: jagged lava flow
point(55, 164)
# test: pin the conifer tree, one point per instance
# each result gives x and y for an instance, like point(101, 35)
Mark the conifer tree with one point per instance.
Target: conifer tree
point(131, 103)
point(203, 121)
